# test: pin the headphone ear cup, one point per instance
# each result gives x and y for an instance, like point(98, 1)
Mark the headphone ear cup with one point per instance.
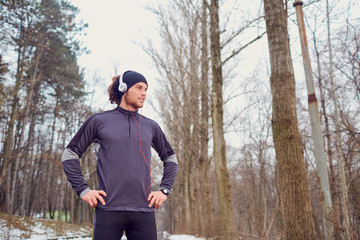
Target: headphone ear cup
point(122, 86)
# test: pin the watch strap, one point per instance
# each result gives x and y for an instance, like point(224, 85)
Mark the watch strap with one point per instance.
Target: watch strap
point(165, 191)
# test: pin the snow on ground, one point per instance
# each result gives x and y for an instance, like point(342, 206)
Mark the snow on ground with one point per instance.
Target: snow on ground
point(184, 237)
point(19, 228)
point(16, 228)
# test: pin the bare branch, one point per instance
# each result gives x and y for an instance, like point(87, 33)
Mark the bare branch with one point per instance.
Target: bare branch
point(235, 52)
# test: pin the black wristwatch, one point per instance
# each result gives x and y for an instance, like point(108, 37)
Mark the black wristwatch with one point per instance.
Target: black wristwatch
point(165, 191)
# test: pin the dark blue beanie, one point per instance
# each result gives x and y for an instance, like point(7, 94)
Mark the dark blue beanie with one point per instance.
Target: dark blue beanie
point(129, 78)
point(132, 77)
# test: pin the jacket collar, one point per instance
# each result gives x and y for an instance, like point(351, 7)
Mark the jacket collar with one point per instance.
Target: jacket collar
point(127, 112)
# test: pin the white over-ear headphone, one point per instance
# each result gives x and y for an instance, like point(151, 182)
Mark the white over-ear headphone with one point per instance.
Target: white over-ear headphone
point(122, 86)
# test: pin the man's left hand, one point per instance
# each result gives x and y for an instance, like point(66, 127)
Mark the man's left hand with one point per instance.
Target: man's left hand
point(157, 199)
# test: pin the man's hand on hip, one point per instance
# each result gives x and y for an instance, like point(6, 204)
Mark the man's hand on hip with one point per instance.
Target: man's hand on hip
point(93, 196)
point(157, 199)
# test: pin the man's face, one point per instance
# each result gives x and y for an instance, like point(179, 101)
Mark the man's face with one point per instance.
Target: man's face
point(136, 95)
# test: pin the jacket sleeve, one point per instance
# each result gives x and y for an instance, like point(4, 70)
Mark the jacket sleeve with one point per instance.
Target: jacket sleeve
point(167, 155)
point(73, 152)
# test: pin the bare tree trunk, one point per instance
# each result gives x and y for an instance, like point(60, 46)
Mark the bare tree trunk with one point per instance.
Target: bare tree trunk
point(28, 172)
point(72, 207)
point(254, 207)
point(13, 184)
point(208, 215)
point(195, 131)
point(75, 213)
point(226, 223)
point(186, 197)
point(35, 175)
point(60, 200)
point(292, 180)
point(262, 209)
point(50, 170)
point(30, 187)
point(344, 189)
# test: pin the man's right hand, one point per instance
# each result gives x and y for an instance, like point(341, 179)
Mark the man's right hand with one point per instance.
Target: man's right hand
point(93, 196)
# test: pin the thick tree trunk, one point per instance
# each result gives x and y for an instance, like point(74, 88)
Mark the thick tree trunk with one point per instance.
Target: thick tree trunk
point(226, 223)
point(292, 180)
point(208, 215)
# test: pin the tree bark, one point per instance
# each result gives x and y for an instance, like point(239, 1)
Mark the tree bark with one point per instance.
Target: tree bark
point(226, 223)
point(195, 129)
point(292, 181)
point(208, 215)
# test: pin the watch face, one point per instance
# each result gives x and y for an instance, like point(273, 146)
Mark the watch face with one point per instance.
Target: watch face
point(165, 191)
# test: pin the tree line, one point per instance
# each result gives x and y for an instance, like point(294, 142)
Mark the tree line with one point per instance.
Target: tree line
point(42, 102)
point(269, 187)
point(245, 148)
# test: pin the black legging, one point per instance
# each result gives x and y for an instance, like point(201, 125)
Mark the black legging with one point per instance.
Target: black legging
point(110, 225)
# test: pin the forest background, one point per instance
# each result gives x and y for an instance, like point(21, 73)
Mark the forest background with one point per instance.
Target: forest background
point(220, 82)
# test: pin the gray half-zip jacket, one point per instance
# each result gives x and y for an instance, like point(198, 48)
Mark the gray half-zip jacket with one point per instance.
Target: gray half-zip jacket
point(123, 141)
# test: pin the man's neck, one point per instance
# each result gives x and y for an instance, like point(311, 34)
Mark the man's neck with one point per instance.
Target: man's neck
point(128, 107)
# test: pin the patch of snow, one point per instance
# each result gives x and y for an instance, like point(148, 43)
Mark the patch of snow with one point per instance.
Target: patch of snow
point(184, 237)
point(39, 231)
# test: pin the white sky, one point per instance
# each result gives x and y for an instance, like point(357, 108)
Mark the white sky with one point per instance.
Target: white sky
point(113, 27)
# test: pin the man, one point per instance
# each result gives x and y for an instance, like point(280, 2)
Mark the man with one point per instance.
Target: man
point(123, 139)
